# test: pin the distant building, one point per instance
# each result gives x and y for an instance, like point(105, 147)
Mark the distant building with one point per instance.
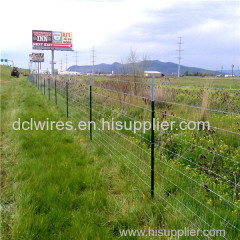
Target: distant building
point(229, 75)
point(153, 73)
point(70, 73)
point(34, 71)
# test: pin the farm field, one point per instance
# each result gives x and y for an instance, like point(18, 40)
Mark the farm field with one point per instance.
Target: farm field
point(61, 185)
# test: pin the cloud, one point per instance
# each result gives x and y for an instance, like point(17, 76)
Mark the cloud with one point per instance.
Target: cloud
point(210, 33)
point(210, 29)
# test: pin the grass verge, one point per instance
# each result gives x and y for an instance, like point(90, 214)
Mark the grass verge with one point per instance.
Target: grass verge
point(58, 185)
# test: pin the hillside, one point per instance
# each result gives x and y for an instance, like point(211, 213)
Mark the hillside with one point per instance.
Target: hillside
point(167, 68)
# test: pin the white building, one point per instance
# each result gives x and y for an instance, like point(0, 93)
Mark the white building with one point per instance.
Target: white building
point(152, 73)
point(35, 71)
point(70, 73)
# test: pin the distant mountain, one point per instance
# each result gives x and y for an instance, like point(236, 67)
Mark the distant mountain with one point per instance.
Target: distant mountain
point(103, 67)
point(235, 72)
point(166, 68)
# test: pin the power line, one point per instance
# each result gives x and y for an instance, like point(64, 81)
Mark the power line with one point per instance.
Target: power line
point(179, 54)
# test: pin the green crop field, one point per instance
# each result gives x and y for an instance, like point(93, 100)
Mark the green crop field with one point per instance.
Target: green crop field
point(60, 185)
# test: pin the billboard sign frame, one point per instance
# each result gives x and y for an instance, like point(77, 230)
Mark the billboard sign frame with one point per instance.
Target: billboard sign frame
point(51, 40)
point(36, 57)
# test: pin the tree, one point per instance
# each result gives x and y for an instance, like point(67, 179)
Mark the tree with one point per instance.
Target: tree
point(195, 73)
point(132, 62)
point(143, 65)
point(186, 73)
point(133, 68)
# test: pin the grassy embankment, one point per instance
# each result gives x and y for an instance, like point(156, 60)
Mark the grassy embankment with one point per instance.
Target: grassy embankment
point(59, 185)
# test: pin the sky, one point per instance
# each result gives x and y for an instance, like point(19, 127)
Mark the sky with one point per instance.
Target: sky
point(210, 30)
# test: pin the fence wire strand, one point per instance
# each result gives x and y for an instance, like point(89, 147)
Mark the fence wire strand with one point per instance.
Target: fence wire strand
point(136, 155)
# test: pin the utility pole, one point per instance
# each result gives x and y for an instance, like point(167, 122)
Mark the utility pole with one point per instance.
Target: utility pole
point(93, 59)
point(61, 65)
point(221, 70)
point(179, 54)
point(52, 61)
point(66, 61)
point(29, 66)
point(232, 69)
point(76, 62)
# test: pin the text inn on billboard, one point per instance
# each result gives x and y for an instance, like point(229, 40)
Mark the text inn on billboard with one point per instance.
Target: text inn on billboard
point(48, 40)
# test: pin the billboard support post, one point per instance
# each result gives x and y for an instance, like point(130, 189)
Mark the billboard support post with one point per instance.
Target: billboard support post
point(52, 62)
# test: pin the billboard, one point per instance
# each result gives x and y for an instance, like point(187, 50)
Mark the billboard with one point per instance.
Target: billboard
point(36, 57)
point(51, 40)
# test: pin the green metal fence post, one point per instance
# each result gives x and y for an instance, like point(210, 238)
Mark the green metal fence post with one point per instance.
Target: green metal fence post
point(152, 140)
point(90, 87)
point(56, 89)
point(44, 85)
point(41, 84)
point(49, 93)
point(67, 94)
point(38, 75)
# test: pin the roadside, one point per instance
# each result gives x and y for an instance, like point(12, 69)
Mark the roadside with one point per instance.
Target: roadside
point(58, 185)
